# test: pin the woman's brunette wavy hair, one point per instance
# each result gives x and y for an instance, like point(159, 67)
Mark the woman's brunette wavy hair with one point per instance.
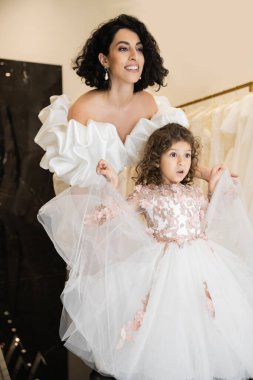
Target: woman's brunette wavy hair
point(87, 64)
point(148, 171)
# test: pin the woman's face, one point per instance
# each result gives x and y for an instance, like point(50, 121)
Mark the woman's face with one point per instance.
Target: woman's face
point(125, 60)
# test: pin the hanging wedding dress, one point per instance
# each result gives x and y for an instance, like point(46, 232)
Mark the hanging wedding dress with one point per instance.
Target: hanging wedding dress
point(226, 132)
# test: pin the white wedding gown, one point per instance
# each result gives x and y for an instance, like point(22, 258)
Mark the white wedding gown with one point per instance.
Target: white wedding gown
point(72, 150)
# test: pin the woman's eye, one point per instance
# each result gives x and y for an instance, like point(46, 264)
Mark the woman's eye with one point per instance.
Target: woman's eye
point(140, 49)
point(122, 48)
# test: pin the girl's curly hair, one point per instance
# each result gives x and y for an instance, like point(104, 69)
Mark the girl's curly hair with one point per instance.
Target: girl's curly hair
point(87, 64)
point(148, 171)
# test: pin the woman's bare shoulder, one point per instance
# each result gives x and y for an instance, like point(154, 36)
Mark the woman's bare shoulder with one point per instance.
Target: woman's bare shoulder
point(148, 102)
point(83, 107)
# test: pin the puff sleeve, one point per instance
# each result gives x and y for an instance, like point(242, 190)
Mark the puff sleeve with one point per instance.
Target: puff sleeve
point(72, 150)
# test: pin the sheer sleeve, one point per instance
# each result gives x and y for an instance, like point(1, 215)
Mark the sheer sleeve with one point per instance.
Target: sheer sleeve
point(84, 219)
point(106, 262)
point(203, 203)
point(227, 221)
point(105, 212)
point(134, 199)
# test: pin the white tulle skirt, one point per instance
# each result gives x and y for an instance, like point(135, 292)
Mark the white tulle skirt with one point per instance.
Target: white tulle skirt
point(141, 310)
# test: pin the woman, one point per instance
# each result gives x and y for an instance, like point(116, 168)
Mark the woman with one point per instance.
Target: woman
point(120, 59)
point(114, 120)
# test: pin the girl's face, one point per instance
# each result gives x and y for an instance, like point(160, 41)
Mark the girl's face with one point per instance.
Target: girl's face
point(175, 163)
point(125, 60)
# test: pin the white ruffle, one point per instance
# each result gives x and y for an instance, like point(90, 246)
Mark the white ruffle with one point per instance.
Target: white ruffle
point(73, 150)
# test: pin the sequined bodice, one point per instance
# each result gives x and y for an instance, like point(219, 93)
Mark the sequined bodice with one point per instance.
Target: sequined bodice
point(173, 212)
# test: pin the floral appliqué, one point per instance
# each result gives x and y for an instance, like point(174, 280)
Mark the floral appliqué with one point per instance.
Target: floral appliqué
point(174, 213)
point(103, 213)
point(145, 203)
point(231, 192)
point(138, 188)
point(209, 301)
point(127, 331)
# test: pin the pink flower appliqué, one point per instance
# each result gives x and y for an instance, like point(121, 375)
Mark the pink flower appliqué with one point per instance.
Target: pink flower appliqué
point(137, 320)
point(209, 301)
point(126, 333)
point(150, 231)
point(102, 213)
point(144, 203)
point(231, 192)
point(138, 188)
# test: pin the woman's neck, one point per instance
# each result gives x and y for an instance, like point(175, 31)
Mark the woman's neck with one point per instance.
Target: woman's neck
point(120, 97)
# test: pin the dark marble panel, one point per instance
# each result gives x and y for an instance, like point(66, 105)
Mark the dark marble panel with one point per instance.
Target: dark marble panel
point(97, 376)
point(31, 273)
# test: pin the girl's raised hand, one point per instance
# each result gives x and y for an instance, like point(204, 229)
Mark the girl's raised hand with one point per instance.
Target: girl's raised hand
point(215, 175)
point(105, 169)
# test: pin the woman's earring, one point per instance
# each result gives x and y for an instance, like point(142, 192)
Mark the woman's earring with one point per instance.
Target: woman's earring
point(106, 74)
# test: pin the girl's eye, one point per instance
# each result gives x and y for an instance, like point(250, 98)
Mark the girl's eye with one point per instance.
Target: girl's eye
point(188, 155)
point(173, 154)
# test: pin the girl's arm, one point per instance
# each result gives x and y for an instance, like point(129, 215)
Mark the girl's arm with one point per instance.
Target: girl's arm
point(215, 175)
point(205, 173)
point(105, 169)
point(105, 212)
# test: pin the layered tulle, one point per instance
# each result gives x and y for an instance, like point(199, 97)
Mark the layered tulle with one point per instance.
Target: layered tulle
point(108, 253)
point(138, 309)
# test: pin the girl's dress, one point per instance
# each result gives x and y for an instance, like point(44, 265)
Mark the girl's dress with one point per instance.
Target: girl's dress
point(162, 301)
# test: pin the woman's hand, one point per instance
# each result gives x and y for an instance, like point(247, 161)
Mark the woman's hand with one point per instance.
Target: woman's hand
point(105, 169)
point(215, 174)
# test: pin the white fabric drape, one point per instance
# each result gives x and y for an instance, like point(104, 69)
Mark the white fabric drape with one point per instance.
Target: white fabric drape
point(226, 133)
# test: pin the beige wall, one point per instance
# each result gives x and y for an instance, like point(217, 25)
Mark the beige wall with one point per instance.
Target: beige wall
point(207, 45)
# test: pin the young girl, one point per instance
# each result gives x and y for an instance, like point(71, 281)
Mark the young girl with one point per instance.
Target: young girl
point(161, 301)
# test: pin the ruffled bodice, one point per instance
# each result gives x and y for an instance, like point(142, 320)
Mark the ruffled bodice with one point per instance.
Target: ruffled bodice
point(173, 212)
point(72, 149)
